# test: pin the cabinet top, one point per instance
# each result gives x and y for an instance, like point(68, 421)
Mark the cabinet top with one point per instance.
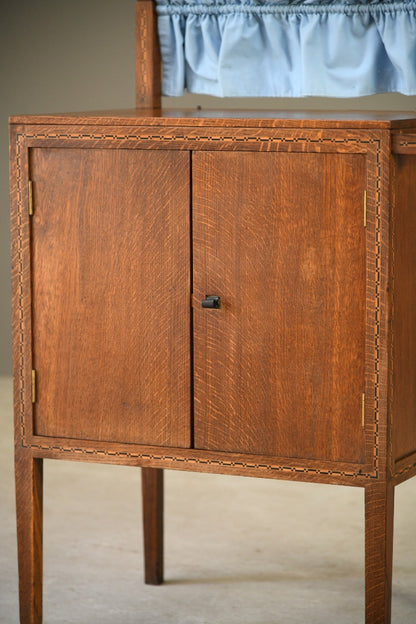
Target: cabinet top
point(229, 118)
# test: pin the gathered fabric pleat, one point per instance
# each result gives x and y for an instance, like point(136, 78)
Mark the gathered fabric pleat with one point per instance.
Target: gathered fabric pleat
point(287, 48)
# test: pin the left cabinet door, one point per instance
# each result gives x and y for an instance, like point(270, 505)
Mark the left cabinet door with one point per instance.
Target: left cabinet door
point(110, 280)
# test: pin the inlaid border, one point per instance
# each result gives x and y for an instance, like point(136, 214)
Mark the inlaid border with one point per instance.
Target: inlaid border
point(368, 145)
point(143, 86)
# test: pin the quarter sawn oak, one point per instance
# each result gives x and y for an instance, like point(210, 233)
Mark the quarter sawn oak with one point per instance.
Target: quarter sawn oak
point(303, 224)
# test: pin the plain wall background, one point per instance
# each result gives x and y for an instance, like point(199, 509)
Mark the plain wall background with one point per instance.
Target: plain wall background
point(60, 56)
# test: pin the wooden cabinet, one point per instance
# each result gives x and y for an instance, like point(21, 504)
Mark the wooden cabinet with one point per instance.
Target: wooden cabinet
point(302, 227)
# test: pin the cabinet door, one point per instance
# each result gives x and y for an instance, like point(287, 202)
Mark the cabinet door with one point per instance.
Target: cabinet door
point(279, 368)
point(110, 295)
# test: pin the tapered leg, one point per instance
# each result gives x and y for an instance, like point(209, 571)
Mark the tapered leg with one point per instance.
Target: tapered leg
point(152, 493)
point(29, 489)
point(379, 513)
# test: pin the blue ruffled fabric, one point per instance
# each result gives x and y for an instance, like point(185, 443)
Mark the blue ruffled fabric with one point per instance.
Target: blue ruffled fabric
point(287, 48)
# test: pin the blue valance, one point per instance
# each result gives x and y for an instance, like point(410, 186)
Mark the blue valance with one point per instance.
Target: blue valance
point(287, 48)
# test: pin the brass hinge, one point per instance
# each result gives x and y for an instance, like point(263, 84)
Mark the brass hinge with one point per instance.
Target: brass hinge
point(365, 208)
point(30, 192)
point(363, 410)
point(33, 386)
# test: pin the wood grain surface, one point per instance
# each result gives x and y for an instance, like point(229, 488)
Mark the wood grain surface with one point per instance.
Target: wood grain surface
point(148, 70)
point(403, 311)
point(29, 516)
point(152, 501)
point(233, 118)
point(110, 288)
point(279, 369)
point(379, 519)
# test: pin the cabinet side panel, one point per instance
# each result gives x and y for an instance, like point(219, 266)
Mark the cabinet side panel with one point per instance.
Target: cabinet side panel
point(110, 291)
point(403, 405)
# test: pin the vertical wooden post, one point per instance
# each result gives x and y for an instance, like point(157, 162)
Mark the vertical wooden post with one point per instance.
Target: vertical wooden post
point(148, 74)
point(152, 495)
point(29, 495)
point(379, 515)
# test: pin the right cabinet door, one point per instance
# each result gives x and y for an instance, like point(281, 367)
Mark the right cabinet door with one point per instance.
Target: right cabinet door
point(280, 366)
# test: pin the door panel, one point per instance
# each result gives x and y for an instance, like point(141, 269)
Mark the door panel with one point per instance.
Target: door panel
point(279, 368)
point(110, 288)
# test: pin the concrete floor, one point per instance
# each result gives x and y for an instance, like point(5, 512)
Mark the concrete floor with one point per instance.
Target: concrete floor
point(238, 550)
